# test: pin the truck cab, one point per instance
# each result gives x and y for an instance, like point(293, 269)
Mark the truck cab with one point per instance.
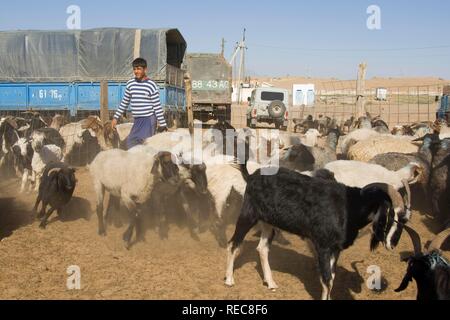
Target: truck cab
point(268, 105)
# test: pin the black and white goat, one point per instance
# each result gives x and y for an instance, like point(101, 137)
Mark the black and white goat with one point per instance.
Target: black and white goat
point(56, 190)
point(429, 269)
point(324, 211)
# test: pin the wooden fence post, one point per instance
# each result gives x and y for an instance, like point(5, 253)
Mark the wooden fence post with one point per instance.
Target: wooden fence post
point(188, 90)
point(104, 112)
point(360, 91)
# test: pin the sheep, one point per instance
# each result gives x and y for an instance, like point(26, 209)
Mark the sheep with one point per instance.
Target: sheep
point(193, 177)
point(311, 137)
point(366, 150)
point(302, 158)
point(27, 163)
point(354, 137)
point(56, 190)
point(72, 134)
point(326, 212)
point(306, 124)
point(380, 126)
point(439, 181)
point(441, 127)
point(429, 269)
point(58, 121)
point(43, 155)
point(107, 137)
point(23, 155)
point(48, 136)
point(395, 161)
point(8, 137)
point(360, 174)
point(111, 171)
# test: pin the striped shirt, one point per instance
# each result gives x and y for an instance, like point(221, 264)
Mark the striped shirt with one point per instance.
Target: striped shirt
point(143, 96)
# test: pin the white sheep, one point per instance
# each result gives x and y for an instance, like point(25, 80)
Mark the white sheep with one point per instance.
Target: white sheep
point(311, 137)
point(72, 134)
point(361, 174)
point(369, 148)
point(355, 136)
point(41, 157)
point(131, 177)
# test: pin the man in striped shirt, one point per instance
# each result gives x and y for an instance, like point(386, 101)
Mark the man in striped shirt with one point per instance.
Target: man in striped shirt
point(143, 96)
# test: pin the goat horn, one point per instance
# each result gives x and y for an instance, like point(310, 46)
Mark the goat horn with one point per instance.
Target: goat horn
point(415, 238)
point(54, 170)
point(408, 194)
point(439, 240)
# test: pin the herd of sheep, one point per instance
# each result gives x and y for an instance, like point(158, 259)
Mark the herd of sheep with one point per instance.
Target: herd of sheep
point(326, 190)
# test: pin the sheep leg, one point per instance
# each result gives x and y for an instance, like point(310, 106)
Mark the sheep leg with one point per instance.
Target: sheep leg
point(100, 192)
point(245, 223)
point(218, 228)
point(36, 205)
point(140, 236)
point(24, 180)
point(131, 206)
point(44, 221)
point(37, 183)
point(128, 234)
point(43, 210)
point(113, 202)
point(267, 234)
point(327, 267)
point(192, 223)
point(162, 219)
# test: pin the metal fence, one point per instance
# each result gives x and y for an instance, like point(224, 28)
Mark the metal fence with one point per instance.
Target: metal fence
point(402, 105)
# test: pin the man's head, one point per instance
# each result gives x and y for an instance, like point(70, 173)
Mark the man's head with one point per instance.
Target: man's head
point(140, 68)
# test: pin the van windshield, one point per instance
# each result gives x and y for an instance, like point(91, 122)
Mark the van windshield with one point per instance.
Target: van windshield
point(271, 96)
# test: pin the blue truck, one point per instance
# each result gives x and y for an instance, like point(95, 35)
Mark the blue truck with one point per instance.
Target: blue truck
point(61, 70)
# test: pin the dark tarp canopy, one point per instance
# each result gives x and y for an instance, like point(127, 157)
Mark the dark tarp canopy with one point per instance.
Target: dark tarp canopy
point(88, 55)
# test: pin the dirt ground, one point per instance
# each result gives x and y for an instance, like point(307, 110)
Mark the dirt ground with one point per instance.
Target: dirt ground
point(33, 262)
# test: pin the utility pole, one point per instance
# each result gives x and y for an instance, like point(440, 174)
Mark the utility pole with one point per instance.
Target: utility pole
point(241, 75)
point(223, 47)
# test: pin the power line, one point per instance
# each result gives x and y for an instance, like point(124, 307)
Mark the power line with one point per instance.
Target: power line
point(350, 50)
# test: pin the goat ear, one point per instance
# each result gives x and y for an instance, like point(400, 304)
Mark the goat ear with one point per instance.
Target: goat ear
point(405, 282)
point(378, 225)
point(156, 165)
point(12, 123)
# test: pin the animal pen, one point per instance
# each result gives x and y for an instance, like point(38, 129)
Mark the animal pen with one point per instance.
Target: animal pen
point(402, 105)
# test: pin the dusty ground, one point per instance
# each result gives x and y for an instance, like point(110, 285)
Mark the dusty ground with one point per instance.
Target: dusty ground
point(33, 262)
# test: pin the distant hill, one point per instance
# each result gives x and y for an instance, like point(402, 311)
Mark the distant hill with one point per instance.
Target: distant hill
point(336, 84)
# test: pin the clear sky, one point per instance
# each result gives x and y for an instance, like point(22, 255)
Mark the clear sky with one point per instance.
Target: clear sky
point(322, 38)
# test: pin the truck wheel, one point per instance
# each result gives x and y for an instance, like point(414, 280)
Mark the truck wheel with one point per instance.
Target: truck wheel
point(276, 109)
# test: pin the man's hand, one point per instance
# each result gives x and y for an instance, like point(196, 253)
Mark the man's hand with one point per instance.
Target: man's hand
point(114, 123)
point(162, 129)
